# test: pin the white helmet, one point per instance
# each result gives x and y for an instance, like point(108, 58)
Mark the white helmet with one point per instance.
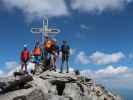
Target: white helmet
point(25, 45)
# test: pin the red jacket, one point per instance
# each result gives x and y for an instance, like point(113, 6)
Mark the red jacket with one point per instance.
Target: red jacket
point(25, 54)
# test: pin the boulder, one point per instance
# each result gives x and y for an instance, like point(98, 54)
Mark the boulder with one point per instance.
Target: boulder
point(15, 84)
point(36, 94)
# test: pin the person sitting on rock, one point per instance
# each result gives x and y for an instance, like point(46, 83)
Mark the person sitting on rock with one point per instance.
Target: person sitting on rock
point(65, 50)
point(25, 56)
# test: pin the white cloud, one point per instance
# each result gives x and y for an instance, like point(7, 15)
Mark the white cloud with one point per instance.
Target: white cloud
point(12, 66)
point(85, 27)
point(107, 72)
point(37, 8)
point(98, 6)
point(113, 77)
point(99, 58)
point(110, 71)
point(1, 72)
point(82, 58)
point(71, 69)
point(72, 51)
point(10, 72)
point(103, 58)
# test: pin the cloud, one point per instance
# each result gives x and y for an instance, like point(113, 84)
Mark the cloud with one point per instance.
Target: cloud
point(112, 77)
point(111, 71)
point(99, 58)
point(72, 51)
point(12, 66)
point(37, 8)
point(104, 58)
point(98, 6)
point(1, 72)
point(9, 68)
point(82, 58)
point(71, 69)
point(107, 72)
point(18, 67)
point(84, 27)
point(33, 9)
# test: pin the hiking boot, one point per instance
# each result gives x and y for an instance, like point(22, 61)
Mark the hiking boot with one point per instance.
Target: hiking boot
point(67, 72)
point(54, 69)
point(26, 72)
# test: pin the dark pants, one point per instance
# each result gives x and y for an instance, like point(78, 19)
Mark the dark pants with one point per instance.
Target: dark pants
point(65, 59)
point(53, 61)
point(24, 64)
point(46, 53)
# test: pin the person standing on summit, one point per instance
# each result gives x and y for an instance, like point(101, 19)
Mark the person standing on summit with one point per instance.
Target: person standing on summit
point(25, 56)
point(47, 47)
point(65, 50)
point(54, 54)
point(37, 53)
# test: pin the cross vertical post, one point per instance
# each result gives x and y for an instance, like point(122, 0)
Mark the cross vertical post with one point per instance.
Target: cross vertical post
point(45, 30)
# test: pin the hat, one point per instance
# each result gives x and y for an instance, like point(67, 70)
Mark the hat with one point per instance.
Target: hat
point(25, 45)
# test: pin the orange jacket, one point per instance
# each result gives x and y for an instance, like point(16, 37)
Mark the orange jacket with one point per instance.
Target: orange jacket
point(37, 51)
point(48, 44)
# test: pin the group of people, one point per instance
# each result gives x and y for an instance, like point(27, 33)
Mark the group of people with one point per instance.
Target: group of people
point(46, 54)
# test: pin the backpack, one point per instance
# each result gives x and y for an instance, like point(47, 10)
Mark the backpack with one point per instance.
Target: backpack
point(25, 54)
point(37, 51)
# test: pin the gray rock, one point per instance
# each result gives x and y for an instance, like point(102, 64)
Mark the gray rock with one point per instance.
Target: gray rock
point(52, 85)
point(34, 95)
point(56, 97)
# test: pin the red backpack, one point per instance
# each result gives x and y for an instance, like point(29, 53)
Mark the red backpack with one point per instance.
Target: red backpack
point(25, 54)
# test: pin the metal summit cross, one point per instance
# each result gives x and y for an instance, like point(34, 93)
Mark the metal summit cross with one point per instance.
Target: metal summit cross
point(45, 30)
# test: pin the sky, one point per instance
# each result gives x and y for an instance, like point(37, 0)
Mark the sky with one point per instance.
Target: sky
point(99, 33)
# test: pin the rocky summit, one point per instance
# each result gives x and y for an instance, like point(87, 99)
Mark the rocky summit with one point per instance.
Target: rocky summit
point(52, 85)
